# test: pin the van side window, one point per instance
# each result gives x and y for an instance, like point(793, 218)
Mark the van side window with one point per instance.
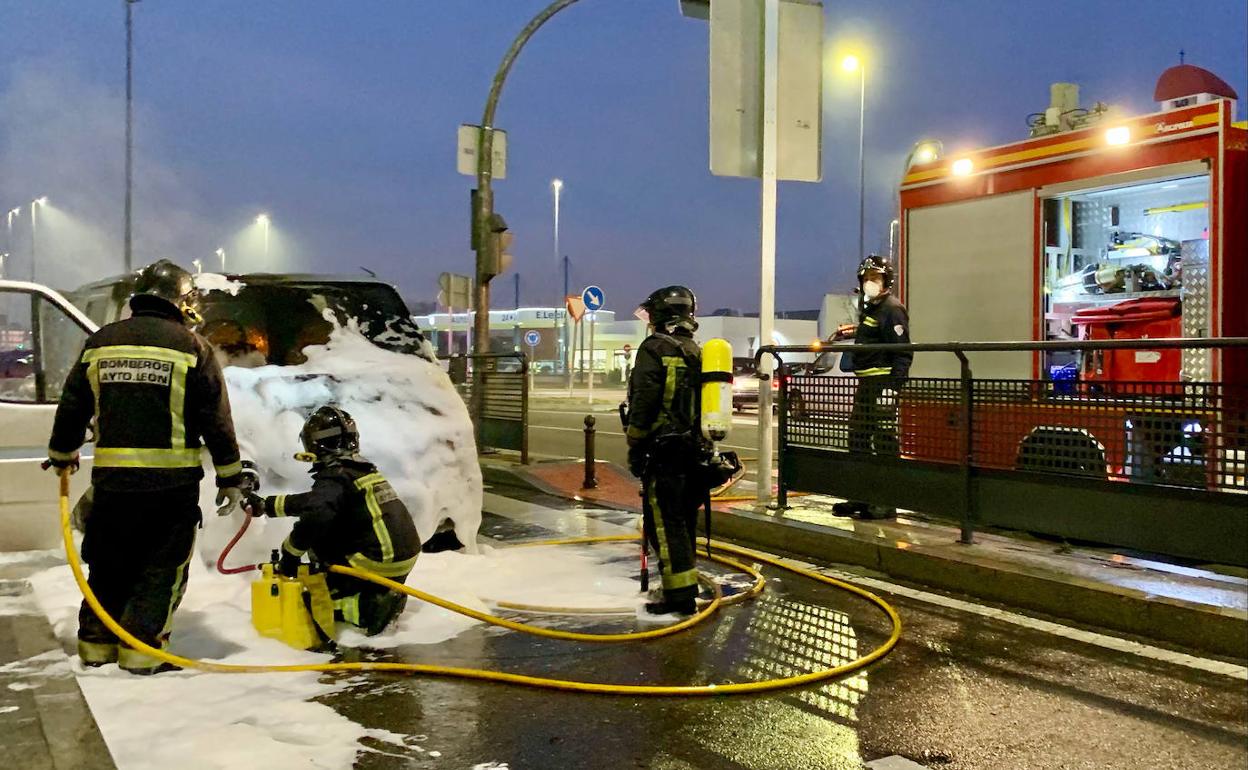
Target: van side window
point(60, 345)
point(17, 348)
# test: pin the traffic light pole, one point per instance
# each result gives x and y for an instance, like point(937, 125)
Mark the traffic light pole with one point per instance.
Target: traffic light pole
point(487, 248)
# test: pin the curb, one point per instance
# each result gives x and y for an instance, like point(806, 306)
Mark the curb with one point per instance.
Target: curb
point(1187, 624)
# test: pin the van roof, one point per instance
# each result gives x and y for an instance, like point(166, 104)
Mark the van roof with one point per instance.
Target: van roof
point(253, 278)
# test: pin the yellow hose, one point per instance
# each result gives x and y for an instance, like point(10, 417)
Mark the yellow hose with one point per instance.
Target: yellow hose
point(485, 674)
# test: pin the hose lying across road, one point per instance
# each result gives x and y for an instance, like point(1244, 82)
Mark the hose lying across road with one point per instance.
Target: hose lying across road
point(734, 688)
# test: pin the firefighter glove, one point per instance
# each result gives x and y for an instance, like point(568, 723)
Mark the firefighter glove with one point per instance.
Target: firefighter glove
point(254, 504)
point(62, 464)
point(289, 565)
point(229, 499)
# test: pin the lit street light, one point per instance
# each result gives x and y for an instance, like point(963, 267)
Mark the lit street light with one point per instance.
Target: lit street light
point(263, 220)
point(221, 254)
point(199, 266)
point(13, 214)
point(556, 187)
point(851, 63)
point(34, 206)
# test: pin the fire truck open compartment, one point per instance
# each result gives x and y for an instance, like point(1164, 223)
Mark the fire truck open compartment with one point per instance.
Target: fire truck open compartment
point(1126, 261)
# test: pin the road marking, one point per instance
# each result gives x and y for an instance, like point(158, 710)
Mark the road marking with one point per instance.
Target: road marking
point(1044, 626)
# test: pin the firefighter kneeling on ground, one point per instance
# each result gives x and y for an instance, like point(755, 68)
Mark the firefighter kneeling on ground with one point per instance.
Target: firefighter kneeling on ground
point(665, 447)
point(154, 389)
point(351, 516)
point(873, 420)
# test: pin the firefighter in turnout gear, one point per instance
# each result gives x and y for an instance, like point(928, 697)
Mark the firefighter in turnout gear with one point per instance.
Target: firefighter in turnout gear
point(157, 396)
point(352, 516)
point(873, 420)
point(665, 446)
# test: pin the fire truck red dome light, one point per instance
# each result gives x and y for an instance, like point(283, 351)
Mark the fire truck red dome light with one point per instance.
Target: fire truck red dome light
point(1118, 135)
point(963, 166)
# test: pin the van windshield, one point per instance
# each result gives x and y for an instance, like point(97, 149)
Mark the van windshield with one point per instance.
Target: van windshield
point(274, 323)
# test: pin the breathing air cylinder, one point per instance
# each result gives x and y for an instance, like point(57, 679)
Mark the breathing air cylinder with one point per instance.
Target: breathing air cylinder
point(716, 389)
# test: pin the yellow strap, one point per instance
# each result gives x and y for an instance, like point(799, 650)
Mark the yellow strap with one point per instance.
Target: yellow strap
point(279, 505)
point(869, 321)
point(289, 548)
point(368, 484)
point(145, 457)
point(874, 372)
point(680, 579)
point(233, 469)
point(385, 569)
point(177, 406)
point(349, 608)
point(140, 351)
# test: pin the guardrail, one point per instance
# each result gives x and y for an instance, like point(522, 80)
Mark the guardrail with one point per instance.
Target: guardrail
point(503, 422)
point(1153, 466)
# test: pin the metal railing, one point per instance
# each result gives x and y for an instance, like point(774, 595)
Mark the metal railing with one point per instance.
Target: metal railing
point(1154, 466)
point(503, 422)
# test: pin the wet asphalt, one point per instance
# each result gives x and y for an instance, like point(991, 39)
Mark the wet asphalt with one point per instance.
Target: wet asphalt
point(959, 691)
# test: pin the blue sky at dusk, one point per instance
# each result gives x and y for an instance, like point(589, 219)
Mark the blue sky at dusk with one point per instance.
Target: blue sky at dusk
point(339, 119)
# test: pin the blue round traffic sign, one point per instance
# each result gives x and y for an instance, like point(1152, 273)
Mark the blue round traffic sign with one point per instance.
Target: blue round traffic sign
point(593, 298)
point(532, 338)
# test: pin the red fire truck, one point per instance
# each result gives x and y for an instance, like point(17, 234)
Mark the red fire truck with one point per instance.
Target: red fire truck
point(1096, 227)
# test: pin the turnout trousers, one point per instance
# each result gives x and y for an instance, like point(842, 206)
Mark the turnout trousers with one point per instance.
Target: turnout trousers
point(671, 501)
point(138, 546)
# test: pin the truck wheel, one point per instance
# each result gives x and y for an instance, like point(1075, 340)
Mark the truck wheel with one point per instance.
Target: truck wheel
point(1061, 450)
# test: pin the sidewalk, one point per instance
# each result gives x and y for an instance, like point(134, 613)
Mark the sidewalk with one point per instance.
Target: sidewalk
point(1193, 608)
point(45, 722)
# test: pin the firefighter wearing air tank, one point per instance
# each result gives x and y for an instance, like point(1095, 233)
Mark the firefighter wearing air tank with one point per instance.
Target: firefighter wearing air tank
point(873, 420)
point(665, 447)
point(155, 392)
point(351, 516)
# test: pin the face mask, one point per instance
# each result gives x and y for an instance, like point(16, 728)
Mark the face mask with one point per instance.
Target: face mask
point(872, 289)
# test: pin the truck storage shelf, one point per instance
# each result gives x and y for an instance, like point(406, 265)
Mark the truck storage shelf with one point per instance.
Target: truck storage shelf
point(1115, 297)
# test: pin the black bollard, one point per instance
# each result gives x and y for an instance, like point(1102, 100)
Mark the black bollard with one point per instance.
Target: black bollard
point(590, 481)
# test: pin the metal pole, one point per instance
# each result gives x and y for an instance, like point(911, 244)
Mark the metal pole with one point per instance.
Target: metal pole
point(572, 355)
point(557, 186)
point(34, 252)
point(129, 265)
point(593, 321)
point(517, 292)
point(485, 241)
point(862, 160)
point(567, 325)
point(767, 260)
point(591, 481)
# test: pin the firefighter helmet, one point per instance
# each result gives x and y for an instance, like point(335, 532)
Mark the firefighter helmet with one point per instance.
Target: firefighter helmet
point(164, 281)
point(671, 305)
point(330, 432)
point(878, 264)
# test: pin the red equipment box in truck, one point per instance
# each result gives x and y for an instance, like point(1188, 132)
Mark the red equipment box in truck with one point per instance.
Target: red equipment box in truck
point(1122, 228)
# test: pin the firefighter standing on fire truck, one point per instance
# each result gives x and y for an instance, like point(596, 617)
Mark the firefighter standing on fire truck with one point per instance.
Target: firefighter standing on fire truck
point(873, 421)
point(154, 390)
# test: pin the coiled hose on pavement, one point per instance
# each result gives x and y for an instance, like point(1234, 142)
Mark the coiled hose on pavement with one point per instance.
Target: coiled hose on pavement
point(732, 688)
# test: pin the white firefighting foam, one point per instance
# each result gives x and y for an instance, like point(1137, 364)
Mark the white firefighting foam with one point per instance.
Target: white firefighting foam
point(413, 425)
point(206, 721)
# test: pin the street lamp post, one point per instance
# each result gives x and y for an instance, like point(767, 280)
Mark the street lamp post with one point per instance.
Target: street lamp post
point(34, 253)
point(221, 254)
point(849, 64)
point(129, 126)
point(3, 257)
point(14, 213)
point(556, 189)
